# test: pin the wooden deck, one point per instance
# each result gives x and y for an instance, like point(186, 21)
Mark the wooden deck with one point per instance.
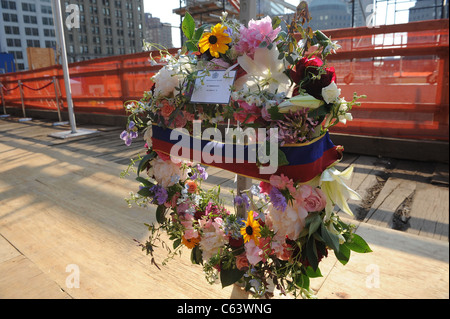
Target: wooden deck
point(62, 210)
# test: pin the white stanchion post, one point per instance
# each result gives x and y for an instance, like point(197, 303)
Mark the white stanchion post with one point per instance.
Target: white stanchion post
point(59, 26)
point(3, 103)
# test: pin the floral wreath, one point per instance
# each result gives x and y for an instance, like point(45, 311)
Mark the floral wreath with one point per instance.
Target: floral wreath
point(289, 225)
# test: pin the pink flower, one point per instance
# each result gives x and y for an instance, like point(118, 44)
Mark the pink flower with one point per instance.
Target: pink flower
point(265, 187)
point(242, 261)
point(283, 250)
point(187, 222)
point(248, 114)
point(166, 109)
point(302, 193)
point(316, 201)
point(256, 32)
point(180, 120)
point(253, 252)
point(173, 201)
point(282, 182)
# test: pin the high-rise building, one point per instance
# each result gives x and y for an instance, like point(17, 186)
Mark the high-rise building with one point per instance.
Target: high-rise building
point(329, 14)
point(107, 27)
point(428, 10)
point(25, 23)
point(157, 31)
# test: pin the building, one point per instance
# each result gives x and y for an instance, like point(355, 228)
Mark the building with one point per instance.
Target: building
point(107, 27)
point(329, 14)
point(428, 10)
point(25, 23)
point(157, 31)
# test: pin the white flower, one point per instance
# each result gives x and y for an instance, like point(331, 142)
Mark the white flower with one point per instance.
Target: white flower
point(213, 237)
point(331, 47)
point(331, 93)
point(166, 80)
point(265, 71)
point(163, 171)
point(148, 135)
point(337, 192)
point(288, 223)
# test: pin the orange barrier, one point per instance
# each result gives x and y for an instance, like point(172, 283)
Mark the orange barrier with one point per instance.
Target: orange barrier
point(403, 70)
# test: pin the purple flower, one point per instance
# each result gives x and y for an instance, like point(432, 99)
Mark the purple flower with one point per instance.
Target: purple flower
point(242, 200)
point(200, 172)
point(277, 198)
point(160, 194)
point(130, 133)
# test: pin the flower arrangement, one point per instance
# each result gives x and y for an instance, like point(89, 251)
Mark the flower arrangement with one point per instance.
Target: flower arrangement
point(289, 226)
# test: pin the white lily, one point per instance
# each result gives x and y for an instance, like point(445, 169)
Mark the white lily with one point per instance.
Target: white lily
point(299, 102)
point(337, 192)
point(264, 71)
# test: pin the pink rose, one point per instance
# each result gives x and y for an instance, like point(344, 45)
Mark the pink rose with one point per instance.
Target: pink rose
point(282, 182)
point(242, 262)
point(167, 109)
point(315, 202)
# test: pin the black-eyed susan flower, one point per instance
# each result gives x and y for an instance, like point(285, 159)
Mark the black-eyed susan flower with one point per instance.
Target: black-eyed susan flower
point(215, 41)
point(251, 230)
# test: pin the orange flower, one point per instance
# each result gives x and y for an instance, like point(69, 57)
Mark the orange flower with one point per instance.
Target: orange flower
point(167, 109)
point(191, 242)
point(191, 186)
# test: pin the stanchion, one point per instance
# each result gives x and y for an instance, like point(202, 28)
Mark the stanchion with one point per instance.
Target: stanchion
point(4, 115)
point(56, 6)
point(24, 118)
point(61, 122)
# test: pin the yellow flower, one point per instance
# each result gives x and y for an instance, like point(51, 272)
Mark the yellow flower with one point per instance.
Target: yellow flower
point(216, 41)
point(191, 242)
point(251, 230)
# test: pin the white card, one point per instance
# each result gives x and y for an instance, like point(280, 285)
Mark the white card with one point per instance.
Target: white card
point(214, 88)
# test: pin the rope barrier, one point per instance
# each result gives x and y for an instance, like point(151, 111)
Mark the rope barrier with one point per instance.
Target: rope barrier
point(41, 88)
point(6, 89)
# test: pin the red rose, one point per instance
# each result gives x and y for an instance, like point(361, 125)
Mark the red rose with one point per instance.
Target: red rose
point(309, 66)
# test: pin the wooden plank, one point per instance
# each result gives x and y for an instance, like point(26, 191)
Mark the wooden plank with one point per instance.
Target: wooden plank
point(394, 270)
point(7, 251)
point(21, 279)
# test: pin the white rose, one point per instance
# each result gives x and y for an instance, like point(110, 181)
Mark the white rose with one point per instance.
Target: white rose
point(331, 93)
point(165, 171)
point(288, 223)
point(166, 80)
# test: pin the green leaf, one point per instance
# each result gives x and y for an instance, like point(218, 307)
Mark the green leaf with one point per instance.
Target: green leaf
point(343, 255)
point(176, 243)
point(276, 21)
point(160, 212)
point(313, 222)
point(190, 46)
point(143, 163)
point(302, 280)
point(198, 33)
point(311, 273)
point(144, 181)
point(332, 240)
point(188, 26)
point(282, 159)
point(357, 244)
point(230, 276)
point(320, 111)
point(311, 253)
point(275, 114)
point(144, 192)
point(196, 255)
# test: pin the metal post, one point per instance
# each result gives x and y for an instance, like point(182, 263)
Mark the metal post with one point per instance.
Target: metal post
point(3, 102)
point(57, 99)
point(65, 68)
point(56, 6)
point(247, 12)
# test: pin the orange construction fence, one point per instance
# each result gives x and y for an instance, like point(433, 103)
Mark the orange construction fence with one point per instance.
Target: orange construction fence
point(403, 70)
